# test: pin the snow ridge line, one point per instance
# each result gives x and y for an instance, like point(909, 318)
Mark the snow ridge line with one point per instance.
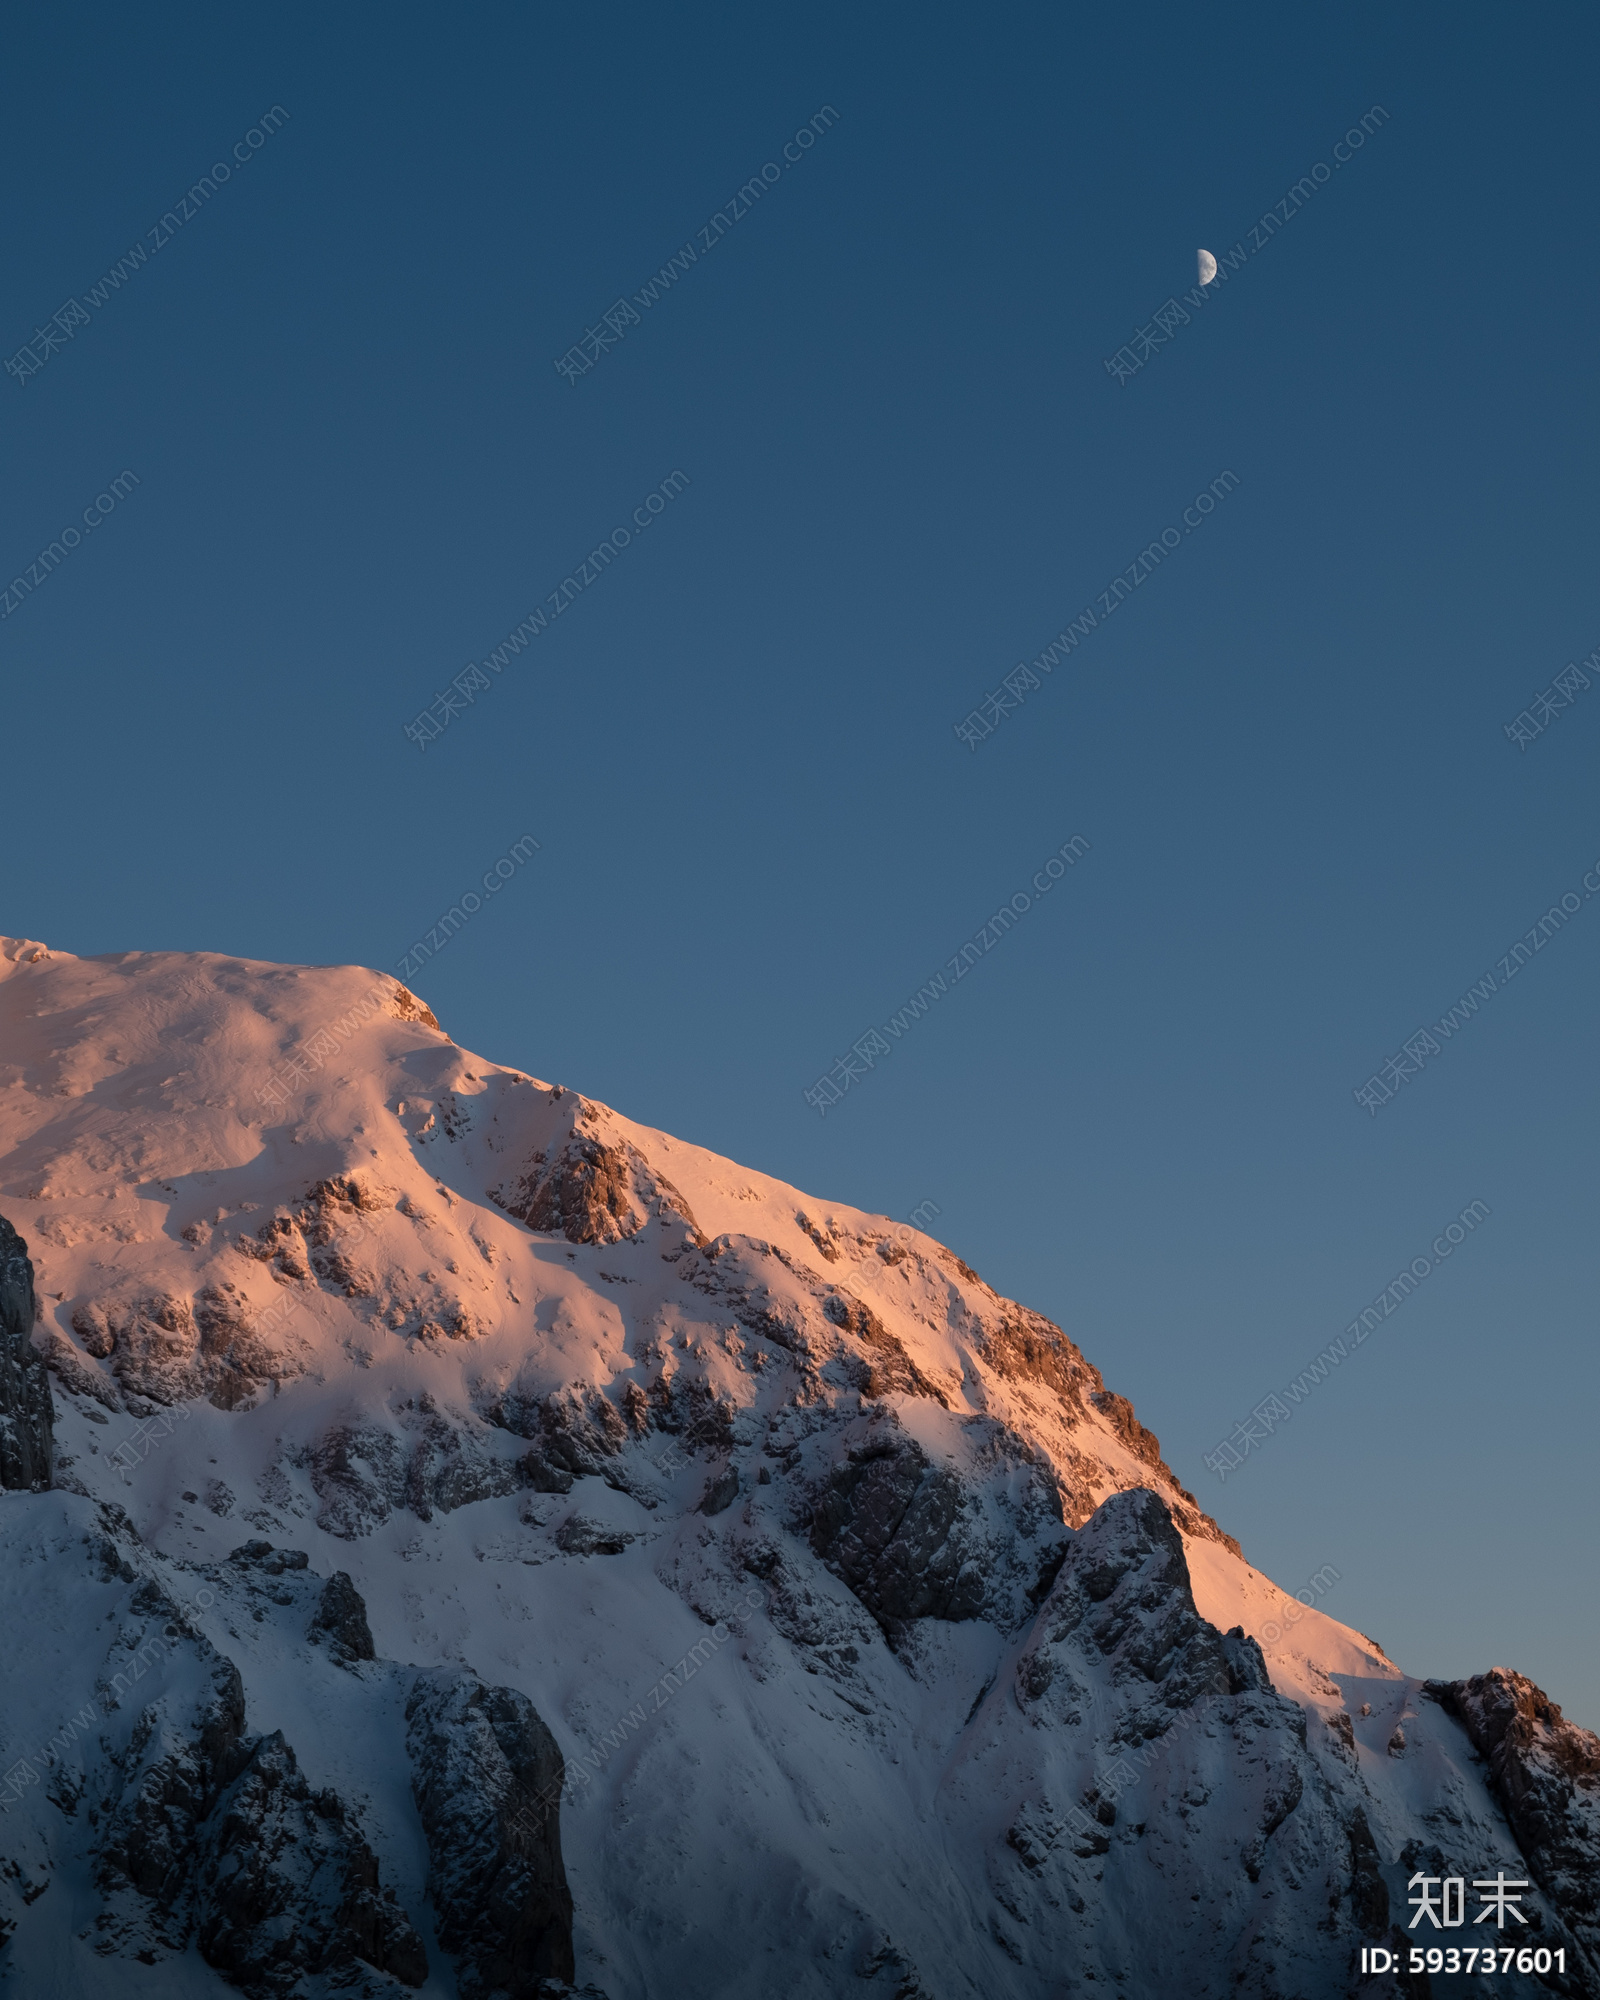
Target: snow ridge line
point(1130, 1765)
point(1275, 1410)
point(286, 1081)
point(870, 1269)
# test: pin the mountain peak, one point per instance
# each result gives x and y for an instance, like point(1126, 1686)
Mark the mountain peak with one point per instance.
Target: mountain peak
point(557, 1396)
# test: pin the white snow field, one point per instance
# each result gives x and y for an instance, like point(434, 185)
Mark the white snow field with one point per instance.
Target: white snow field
point(885, 1654)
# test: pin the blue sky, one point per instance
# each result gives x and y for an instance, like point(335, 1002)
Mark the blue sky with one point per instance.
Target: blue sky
point(901, 467)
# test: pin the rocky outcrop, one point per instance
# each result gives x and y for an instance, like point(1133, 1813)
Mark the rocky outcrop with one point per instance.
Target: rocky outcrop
point(591, 1190)
point(407, 1007)
point(583, 1192)
point(1160, 1768)
point(340, 1236)
point(210, 1835)
point(1369, 1893)
point(721, 1491)
point(429, 1460)
point(331, 1208)
point(887, 1366)
point(163, 1782)
point(1545, 1772)
point(1024, 1346)
point(362, 1472)
point(1056, 1776)
point(487, 1778)
point(358, 1472)
point(167, 1348)
point(1123, 1597)
point(76, 1375)
point(27, 1440)
point(286, 1886)
point(574, 1435)
point(341, 1620)
point(912, 1539)
point(887, 1523)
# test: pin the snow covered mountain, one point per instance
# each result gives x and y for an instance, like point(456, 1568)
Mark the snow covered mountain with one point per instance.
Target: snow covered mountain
point(467, 1542)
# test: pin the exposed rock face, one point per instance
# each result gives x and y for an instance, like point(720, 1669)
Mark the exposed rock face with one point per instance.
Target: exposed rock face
point(1369, 1893)
point(212, 1835)
point(165, 1780)
point(721, 1493)
point(981, 1734)
point(1123, 1596)
point(235, 1358)
point(886, 1523)
point(487, 1778)
point(579, 1536)
point(1546, 1773)
point(167, 1348)
point(573, 1436)
point(408, 1007)
point(286, 1886)
point(27, 1442)
point(592, 1190)
point(362, 1472)
point(585, 1193)
point(1141, 1720)
point(915, 1540)
point(341, 1619)
point(888, 1366)
point(75, 1375)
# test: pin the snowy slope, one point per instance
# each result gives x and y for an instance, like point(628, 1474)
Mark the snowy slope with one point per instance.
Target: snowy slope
point(573, 1403)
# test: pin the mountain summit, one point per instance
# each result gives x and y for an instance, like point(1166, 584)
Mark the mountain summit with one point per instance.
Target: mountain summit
point(552, 1553)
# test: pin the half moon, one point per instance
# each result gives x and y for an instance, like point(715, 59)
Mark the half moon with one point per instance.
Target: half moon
point(1208, 267)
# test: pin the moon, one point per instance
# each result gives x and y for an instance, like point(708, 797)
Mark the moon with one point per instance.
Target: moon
point(1208, 267)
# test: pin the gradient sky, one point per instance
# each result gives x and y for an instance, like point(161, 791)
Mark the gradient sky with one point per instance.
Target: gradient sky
point(358, 468)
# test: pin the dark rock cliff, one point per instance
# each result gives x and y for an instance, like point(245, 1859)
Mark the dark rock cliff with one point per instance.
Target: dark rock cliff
point(487, 1778)
point(27, 1442)
point(199, 1834)
point(209, 1834)
point(1546, 1773)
